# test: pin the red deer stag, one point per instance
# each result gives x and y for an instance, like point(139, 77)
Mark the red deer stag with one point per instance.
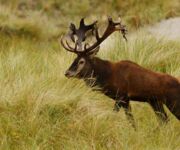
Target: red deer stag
point(122, 81)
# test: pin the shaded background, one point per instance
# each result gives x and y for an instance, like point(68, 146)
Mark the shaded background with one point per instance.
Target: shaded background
point(36, 17)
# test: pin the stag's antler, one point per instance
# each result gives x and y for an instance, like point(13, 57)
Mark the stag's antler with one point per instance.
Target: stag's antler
point(112, 27)
point(81, 34)
point(68, 47)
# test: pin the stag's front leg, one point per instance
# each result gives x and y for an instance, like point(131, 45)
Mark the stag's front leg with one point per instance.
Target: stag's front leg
point(127, 108)
point(118, 103)
point(129, 115)
point(117, 106)
point(159, 110)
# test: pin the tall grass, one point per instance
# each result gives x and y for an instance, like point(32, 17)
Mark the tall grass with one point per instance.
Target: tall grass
point(33, 25)
point(41, 109)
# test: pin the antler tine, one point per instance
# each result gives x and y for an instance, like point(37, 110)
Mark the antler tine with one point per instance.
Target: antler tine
point(80, 33)
point(62, 43)
point(68, 47)
point(85, 46)
point(112, 27)
point(122, 29)
point(75, 49)
point(97, 33)
point(91, 26)
point(72, 32)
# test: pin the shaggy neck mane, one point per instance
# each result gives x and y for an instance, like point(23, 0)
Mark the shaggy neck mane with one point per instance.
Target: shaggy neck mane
point(101, 71)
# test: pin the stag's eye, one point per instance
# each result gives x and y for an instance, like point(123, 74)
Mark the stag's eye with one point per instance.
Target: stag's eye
point(81, 62)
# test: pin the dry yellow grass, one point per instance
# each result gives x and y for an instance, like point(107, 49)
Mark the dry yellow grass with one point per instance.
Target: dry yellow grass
point(41, 109)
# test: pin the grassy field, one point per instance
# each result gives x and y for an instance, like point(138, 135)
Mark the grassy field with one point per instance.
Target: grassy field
point(41, 109)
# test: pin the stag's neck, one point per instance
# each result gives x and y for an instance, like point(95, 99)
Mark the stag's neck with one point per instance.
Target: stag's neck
point(101, 72)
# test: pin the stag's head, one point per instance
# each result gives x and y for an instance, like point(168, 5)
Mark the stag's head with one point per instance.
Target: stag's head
point(82, 65)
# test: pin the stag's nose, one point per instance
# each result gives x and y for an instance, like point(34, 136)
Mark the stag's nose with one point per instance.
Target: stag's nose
point(67, 74)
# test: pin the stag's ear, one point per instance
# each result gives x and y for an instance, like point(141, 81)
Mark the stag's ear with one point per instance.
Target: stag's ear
point(94, 52)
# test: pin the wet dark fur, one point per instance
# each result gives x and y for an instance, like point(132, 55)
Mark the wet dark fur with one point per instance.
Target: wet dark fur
point(126, 81)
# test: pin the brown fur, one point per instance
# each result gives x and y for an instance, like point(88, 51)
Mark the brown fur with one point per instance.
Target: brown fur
point(126, 81)
point(178, 78)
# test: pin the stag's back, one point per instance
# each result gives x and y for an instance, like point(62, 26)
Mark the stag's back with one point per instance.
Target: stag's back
point(139, 80)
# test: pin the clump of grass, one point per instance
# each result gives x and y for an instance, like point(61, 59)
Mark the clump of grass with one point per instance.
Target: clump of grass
point(41, 109)
point(33, 25)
